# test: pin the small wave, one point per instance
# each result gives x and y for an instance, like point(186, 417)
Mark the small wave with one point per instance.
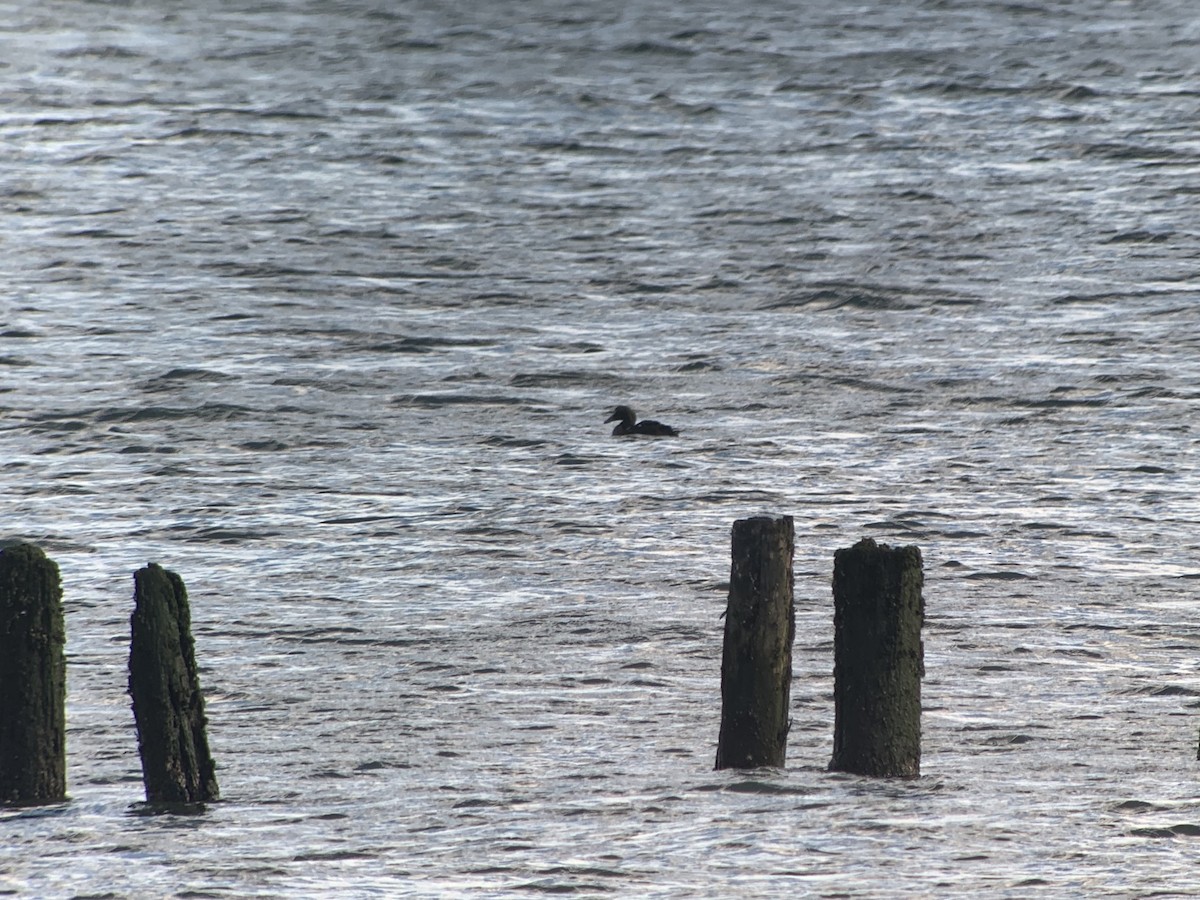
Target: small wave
point(457, 400)
point(237, 269)
point(61, 423)
point(655, 48)
point(1140, 236)
point(410, 344)
point(864, 384)
point(756, 786)
point(744, 496)
point(564, 379)
point(197, 132)
point(1114, 150)
point(510, 441)
point(220, 535)
point(573, 146)
point(570, 459)
point(836, 295)
point(1007, 575)
point(1008, 740)
point(103, 51)
point(700, 365)
point(1163, 690)
point(413, 44)
point(172, 378)
point(334, 856)
point(98, 233)
point(1136, 806)
point(1185, 829)
point(1064, 402)
point(206, 412)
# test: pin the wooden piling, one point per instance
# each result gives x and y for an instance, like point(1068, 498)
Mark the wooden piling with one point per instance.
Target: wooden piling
point(168, 706)
point(756, 663)
point(878, 660)
point(33, 679)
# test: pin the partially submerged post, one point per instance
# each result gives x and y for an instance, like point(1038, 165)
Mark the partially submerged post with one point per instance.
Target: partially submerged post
point(878, 660)
point(756, 664)
point(167, 704)
point(33, 679)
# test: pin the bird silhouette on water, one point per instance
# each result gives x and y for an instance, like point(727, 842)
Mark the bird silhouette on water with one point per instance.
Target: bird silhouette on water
point(627, 423)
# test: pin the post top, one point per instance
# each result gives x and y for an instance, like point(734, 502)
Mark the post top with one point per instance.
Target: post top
point(765, 517)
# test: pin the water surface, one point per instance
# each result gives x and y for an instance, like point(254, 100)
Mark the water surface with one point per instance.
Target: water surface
point(323, 305)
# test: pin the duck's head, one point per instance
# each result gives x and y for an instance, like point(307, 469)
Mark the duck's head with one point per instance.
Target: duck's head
point(622, 414)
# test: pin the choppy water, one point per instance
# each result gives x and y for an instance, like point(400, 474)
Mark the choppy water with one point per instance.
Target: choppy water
point(322, 306)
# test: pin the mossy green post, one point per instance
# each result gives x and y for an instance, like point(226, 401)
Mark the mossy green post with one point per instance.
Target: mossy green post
point(879, 660)
point(756, 663)
point(33, 679)
point(167, 704)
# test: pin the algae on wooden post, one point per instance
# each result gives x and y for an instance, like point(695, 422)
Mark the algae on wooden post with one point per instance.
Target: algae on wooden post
point(168, 706)
point(33, 678)
point(756, 663)
point(878, 660)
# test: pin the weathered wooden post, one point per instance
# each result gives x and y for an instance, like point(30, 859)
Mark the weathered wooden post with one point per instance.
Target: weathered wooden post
point(33, 679)
point(879, 660)
point(756, 663)
point(167, 704)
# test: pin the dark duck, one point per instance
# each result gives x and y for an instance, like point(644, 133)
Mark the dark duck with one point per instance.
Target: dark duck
point(627, 423)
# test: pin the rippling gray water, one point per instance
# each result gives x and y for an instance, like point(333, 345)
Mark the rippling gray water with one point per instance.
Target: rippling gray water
point(322, 305)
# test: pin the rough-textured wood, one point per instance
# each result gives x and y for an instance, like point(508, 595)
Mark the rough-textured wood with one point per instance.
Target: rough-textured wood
point(167, 704)
point(878, 660)
point(33, 678)
point(760, 625)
